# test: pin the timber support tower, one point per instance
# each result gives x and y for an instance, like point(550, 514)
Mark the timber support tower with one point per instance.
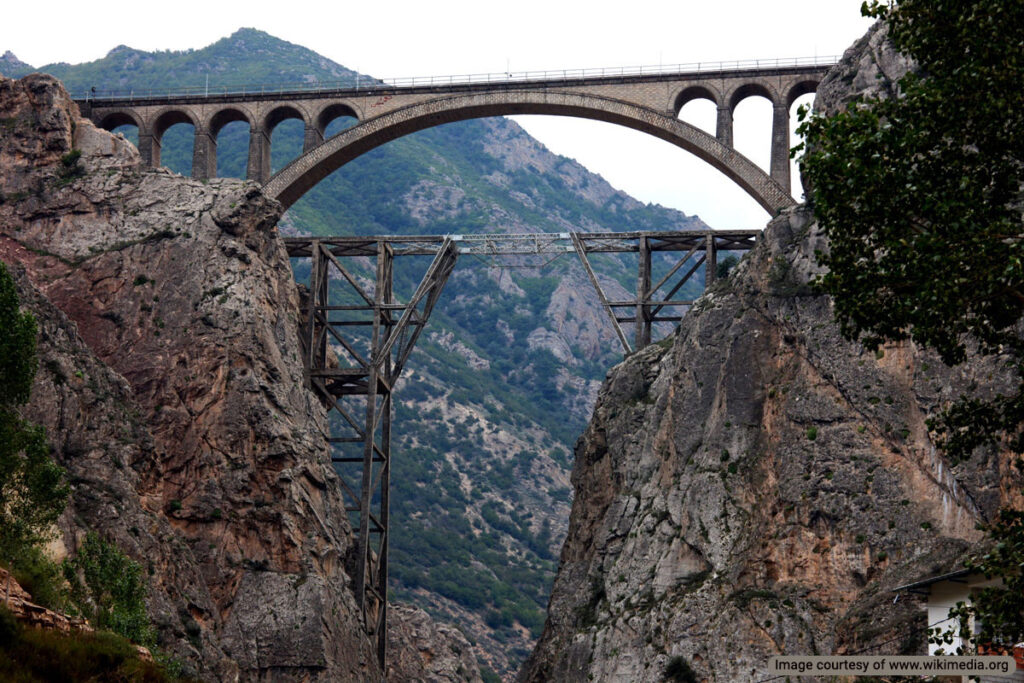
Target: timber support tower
point(357, 340)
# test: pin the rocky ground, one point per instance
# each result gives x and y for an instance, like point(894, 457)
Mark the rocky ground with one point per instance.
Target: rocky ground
point(757, 485)
point(171, 388)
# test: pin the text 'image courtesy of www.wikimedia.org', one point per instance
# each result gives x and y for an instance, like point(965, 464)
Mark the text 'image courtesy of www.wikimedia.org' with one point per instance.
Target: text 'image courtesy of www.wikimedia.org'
point(889, 666)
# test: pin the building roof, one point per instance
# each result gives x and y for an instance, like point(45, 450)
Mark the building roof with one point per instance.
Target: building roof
point(925, 583)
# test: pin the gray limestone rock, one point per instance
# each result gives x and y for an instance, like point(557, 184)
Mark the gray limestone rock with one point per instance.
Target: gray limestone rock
point(756, 485)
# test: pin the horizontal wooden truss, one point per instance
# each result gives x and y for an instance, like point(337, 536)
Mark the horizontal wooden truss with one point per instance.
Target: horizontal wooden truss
point(357, 345)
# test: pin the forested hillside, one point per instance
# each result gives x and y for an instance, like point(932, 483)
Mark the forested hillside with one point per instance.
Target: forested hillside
point(505, 376)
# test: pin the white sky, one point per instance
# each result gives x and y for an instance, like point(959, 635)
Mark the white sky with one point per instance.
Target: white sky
point(416, 38)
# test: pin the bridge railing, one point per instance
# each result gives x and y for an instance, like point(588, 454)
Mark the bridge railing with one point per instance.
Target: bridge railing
point(365, 83)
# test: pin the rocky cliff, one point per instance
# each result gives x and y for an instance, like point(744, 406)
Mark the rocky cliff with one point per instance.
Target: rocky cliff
point(484, 421)
point(756, 485)
point(171, 388)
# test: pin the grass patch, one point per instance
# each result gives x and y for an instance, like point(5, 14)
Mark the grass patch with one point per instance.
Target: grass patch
point(31, 655)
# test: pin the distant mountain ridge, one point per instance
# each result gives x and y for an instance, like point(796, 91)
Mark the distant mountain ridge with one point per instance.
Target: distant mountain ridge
point(505, 376)
point(222, 61)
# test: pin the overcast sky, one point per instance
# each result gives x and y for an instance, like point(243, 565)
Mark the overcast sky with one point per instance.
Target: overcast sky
point(403, 38)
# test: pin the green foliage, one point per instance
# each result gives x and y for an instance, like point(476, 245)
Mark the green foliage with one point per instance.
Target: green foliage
point(32, 491)
point(17, 346)
point(70, 168)
point(107, 586)
point(9, 627)
point(489, 676)
point(41, 577)
point(997, 611)
point(725, 266)
point(679, 670)
point(37, 655)
point(920, 197)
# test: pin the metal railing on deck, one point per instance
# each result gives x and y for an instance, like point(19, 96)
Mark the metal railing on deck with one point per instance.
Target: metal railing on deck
point(360, 83)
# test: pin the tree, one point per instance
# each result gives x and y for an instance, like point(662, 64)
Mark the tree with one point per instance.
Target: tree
point(32, 491)
point(920, 196)
point(107, 586)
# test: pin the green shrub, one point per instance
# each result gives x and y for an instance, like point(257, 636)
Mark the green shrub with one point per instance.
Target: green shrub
point(71, 159)
point(41, 577)
point(41, 655)
point(9, 627)
point(70, 168)
point(107, 587)
point(678, 669)
point(32, 490)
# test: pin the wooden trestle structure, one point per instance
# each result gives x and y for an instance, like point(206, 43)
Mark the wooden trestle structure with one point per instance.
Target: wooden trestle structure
point(358, 336)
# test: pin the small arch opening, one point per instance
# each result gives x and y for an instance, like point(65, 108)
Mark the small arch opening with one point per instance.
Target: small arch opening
point(130, 132)
point(229, 129)
point(122, 123)
point(334, 119)
point(752, 114)
point(286, 129)
point(698, 107)
point(701, 113)
point(174, 141)
point(232, 149)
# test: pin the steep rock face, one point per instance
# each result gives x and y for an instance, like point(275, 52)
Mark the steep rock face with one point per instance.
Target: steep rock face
point(424, 651)
point(757, 485)
point(512, 400)
point(11, 66)
point(173, 393)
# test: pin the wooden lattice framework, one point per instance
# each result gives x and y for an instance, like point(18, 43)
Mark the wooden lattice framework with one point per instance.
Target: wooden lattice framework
point(358, 336)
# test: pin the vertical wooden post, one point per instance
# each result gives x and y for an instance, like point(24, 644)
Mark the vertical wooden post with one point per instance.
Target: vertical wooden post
point(643, 288)
point(710, 260)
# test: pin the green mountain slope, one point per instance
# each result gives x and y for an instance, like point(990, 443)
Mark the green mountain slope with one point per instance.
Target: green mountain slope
point(506, 374)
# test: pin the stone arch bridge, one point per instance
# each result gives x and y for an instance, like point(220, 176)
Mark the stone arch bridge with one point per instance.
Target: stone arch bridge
point(646, 102)
point(354, 379)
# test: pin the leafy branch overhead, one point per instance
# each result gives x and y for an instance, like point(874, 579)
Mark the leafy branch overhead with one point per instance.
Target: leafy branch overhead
point(920, 196)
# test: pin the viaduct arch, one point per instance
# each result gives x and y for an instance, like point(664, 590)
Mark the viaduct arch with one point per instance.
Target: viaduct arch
point(312, 166)
point(360, 384)
point(649, 103)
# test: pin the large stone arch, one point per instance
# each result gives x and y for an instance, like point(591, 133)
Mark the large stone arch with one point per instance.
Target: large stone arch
point(695, 92)
point(303, 173)
point(799, 89)
point(159, 124)
point(121, 117)
point(752, 90)
point(226, 115)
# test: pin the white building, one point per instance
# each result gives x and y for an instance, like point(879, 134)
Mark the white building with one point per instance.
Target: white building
point(944, 592)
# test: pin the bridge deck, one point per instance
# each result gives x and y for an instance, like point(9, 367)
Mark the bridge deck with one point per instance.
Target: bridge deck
point(459, 83)
point(524, 244)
